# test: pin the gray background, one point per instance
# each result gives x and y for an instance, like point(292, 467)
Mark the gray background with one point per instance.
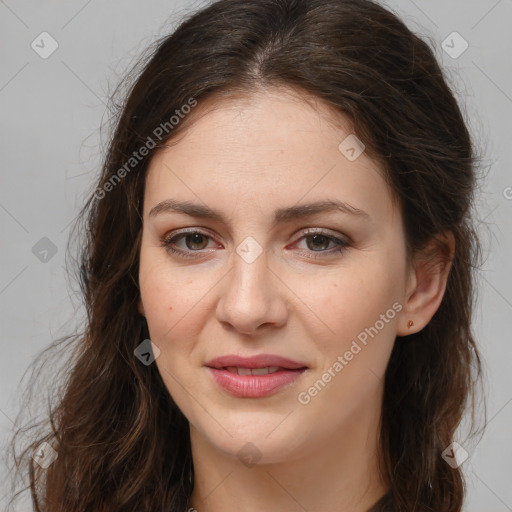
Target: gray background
point(51, 113)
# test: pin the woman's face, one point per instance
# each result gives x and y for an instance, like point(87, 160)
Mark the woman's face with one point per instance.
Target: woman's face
point(257, 273)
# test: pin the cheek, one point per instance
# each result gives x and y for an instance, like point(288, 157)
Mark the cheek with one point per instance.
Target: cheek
point(167, 295)
point(177, 303)
point(350, 299)
point(357, 306)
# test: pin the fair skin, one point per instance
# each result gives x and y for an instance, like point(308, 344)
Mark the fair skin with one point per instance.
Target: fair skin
point(247, 158)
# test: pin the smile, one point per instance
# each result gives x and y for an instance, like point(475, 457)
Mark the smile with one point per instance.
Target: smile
point(254, 382)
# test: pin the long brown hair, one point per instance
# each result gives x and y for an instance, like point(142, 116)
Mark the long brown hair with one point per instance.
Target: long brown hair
point(122, 443)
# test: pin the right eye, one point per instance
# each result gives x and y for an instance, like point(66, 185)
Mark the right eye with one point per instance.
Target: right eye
point(193, 242)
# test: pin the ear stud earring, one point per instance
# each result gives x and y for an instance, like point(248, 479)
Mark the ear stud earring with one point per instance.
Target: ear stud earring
point(410, 324)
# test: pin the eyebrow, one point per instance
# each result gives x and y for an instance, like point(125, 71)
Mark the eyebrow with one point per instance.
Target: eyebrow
point(280, 215)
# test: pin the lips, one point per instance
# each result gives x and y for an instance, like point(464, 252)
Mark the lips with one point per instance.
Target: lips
point(258, 361)
point(256, 376)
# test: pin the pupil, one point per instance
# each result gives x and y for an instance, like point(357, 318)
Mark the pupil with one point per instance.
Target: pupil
point(196, 239)
point(318, 238)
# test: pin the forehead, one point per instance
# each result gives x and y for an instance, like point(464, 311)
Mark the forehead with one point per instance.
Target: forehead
point(263, 148)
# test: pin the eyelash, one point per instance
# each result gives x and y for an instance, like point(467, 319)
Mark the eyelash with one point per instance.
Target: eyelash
point(167, 243)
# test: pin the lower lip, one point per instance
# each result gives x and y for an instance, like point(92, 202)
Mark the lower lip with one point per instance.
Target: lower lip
point(254, 386)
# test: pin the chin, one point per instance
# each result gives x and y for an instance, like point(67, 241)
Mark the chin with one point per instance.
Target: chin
point(262, 438)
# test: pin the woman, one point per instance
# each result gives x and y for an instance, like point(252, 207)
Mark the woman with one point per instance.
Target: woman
point(277, 269)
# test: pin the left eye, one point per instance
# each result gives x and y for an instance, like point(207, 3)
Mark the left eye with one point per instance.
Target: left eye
point(319, 242)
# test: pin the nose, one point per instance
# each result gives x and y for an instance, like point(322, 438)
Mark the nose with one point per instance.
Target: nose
point(252, 297)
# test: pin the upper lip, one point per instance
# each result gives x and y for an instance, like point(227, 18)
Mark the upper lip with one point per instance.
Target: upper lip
point(258, 361)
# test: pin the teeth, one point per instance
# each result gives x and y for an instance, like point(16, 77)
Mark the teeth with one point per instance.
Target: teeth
point(253, 371)
point(259, 371)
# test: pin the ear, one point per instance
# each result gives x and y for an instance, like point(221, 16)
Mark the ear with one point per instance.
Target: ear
point(140, 307)
point(426, 283)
